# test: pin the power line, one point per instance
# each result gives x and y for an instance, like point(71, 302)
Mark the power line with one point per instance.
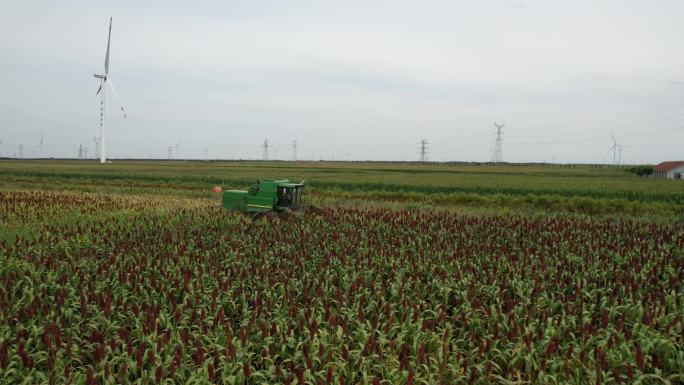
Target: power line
point(603, 138)
point(651, 115)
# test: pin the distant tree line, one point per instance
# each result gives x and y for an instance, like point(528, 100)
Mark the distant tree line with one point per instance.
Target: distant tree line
point(641, 170)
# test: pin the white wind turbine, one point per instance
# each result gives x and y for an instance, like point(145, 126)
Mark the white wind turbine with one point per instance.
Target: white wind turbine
point(613, 149)
point(620, 147)
point(104, 81)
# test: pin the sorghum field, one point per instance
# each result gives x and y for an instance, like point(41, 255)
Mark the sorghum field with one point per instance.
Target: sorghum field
point(126, 275)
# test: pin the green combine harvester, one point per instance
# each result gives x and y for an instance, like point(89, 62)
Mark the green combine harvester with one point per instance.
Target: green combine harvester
point(278, 195)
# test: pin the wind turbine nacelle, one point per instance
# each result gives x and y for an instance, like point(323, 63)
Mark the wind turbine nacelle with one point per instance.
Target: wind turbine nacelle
point(100, 76)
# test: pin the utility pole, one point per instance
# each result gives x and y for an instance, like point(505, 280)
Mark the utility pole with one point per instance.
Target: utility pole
point(423, 151)
point(265, 147)
point(498, 150)
point(170, 149)
point(294, 150)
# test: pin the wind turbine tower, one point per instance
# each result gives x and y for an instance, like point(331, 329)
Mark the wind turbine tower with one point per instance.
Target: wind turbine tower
point(620, 147)
point(21, 151)
point(170, 148)
point(613, 148)
point(294, 150)
point(497, 156)
point(104, 82)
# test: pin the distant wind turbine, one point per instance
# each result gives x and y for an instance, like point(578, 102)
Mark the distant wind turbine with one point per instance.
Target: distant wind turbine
point(620, 147)
point(105, 80)
point(614, 148)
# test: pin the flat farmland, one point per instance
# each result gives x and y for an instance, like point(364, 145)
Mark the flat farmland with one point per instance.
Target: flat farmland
point(576, 188)
point(437, 274)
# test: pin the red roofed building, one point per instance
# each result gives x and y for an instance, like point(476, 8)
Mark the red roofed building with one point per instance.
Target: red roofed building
point(669, 170)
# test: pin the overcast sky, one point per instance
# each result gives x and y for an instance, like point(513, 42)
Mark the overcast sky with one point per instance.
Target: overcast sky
point(347, 79)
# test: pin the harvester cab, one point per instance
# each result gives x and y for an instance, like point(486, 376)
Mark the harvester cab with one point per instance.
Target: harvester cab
point(268, 195)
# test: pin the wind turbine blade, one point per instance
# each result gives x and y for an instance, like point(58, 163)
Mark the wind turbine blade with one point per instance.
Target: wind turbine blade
point(116, 96)
point(109, 37)
point(98, 90)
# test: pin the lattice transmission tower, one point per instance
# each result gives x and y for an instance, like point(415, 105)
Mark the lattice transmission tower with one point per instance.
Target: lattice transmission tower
point(423, 151)
point(265, 147)
point(497, 154)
